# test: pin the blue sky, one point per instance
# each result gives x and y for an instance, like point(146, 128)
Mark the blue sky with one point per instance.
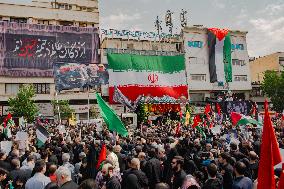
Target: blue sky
point(263, 19)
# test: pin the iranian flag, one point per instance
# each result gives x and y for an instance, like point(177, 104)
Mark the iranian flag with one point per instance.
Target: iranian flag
point(156, 76)
point(220, 61)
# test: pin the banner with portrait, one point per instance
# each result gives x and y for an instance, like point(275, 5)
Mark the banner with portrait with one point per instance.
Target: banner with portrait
point(74, 75)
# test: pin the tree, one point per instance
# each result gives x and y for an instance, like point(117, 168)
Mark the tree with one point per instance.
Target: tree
point(23, 104)
point(273, 87)
point(64, 108)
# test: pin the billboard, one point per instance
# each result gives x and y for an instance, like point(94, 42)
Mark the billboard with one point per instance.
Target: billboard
point(74, 75)
point(31, 50)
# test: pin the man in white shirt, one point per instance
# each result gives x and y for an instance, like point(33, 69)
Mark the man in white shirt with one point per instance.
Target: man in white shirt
point(39, 180)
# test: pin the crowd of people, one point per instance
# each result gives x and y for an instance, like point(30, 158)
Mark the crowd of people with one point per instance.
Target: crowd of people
point(152, 157)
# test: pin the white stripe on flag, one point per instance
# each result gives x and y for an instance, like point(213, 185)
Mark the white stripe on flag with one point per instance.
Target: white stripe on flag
point(41, 136)
point(219, 60)
point(146, 78)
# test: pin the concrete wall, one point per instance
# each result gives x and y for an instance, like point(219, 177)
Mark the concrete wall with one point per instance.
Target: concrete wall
point(260, 65)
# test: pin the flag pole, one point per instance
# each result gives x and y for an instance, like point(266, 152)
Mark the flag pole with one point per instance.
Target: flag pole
point(88, 105)
point(58, 108)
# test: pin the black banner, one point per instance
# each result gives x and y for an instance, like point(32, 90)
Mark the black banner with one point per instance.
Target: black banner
point(30, 50)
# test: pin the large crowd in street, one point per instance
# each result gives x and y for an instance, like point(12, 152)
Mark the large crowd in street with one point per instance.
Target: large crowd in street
point(153, 157)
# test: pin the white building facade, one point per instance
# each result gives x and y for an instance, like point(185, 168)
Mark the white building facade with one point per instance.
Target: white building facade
point(197, 65)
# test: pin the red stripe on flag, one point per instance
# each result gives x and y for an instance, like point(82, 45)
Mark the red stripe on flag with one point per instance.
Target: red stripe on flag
point(102, 156)
point(235, 117)
point(132, 92)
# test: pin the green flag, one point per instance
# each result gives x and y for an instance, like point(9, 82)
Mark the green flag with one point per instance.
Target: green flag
point(111, 119)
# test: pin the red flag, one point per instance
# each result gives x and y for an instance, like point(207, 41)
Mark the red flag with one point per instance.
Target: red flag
point(178, 129)
point(235, 117)
point(6, 119)
point(204, 123)
point(211, 125)
point(102, 156)
point(253, 111)
point(9, 116)
point(196, 121)
point(270, 154)
point(281, 181)
point(207, 109)
point(218, 108)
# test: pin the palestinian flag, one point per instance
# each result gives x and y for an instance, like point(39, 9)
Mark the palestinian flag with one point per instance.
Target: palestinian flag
point(42, 135)
point(102, 156)
point(8, 122)
point(220, 61)
point(156, 76)
point(239, 119)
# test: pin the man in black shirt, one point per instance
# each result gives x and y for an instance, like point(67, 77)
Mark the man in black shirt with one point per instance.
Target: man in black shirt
point(153, 169)
point(3, 175)
point(111, 181)
point(212, 182)
point(226, 170)
point(179, 174)
point(3, 163)
point(134, 177)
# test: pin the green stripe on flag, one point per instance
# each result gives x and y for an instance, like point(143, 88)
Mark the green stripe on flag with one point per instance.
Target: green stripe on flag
point(163, 64)
point(111, 119)
point(227, 53)
point(201, 131)
point(39, 143)
point(247, 121)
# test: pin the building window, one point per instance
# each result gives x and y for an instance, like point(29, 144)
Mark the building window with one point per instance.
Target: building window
point(155, 47)
point(256, 92)
point(241, 78)
point(197, 97)
point(195, 44)
point(195, 60)
point(12, 88)
point(19, 20)
point(281, 61)
point(198, 77)
point(43, 22)
point(237, 62)
point(90, 9)
point(61, 6)
point(130, 46)
point(42, 88)
point(82, 24)
point(65, 23)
